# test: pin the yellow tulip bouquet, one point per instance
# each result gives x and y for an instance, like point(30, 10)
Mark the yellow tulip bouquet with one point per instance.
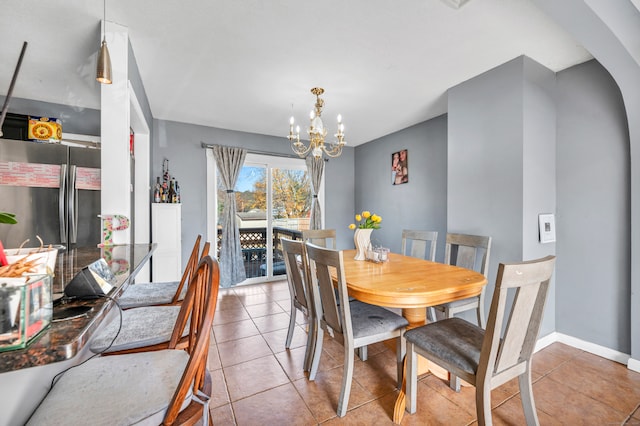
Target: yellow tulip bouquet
point(366, 220)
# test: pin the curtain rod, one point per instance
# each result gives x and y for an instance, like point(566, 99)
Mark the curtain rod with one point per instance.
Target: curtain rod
point(253, 151)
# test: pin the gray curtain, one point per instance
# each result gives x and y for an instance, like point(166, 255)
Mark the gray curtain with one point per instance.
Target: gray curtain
point(229, 161)
point(316, 168)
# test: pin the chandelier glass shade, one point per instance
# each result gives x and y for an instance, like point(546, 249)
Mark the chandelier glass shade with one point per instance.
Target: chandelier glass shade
point(317, 133)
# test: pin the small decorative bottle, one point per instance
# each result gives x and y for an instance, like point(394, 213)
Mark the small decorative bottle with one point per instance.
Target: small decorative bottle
point(172, 192)
point(177, 189)
point(156, 191)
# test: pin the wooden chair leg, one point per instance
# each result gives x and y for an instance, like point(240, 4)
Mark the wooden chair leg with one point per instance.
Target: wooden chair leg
point(412, 379)
point(401, 351)
point(311, 346)
point(431, 314)
point(316, 354)
point(483, 404)
point(526, 394)
point(480, 311)
point(347, 376)
point(362, 353)
point(292, 325)
point(454, 382)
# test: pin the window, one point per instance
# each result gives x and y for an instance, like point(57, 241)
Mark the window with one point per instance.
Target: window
point(273, 200)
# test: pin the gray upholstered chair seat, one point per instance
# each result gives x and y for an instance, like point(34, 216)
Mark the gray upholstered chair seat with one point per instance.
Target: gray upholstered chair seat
point(453, 340)
point(93, 393)
point(140, 327)
point(370, 320)
point(149, 294)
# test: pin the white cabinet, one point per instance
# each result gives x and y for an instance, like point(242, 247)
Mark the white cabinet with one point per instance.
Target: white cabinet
point(166, 228)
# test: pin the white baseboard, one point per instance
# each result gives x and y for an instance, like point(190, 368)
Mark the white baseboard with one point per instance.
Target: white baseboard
point(545, 341)
point(592, 348)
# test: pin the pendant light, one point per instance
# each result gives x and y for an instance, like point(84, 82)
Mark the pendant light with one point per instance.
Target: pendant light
point(103, 70)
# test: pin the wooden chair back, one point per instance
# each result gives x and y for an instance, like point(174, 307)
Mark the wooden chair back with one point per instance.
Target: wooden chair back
point(331, 304)
point(189, 270)
point(191, 310)
point(205, 285)
point(295, 260)
point(464, 251)
point(319, 237)
point(418, 240)
point(489, 358)
point(504, 356)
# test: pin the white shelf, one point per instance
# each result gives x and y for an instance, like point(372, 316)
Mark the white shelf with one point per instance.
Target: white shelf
point(166, 228)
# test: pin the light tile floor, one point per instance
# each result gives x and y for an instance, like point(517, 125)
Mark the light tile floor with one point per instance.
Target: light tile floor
point(259, 382)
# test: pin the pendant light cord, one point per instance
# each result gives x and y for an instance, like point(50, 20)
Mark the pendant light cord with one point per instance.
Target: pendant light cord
point(104, 20)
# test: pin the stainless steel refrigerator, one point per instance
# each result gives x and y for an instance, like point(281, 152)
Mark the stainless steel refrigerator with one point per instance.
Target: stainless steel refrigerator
point(54, 191)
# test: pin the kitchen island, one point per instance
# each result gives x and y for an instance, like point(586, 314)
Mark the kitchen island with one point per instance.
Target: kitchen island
point(27, 373)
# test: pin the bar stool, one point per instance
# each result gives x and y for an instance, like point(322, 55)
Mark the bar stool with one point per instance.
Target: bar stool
point(163, 293)
point(171, 386)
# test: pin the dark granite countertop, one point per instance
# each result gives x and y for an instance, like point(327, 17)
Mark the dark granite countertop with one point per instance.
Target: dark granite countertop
point(64, 338)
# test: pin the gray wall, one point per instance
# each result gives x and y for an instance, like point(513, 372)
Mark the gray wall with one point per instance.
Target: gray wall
point(502, 164)
point(593, 222)
point(79, 120)
point(181, 144)
point(135, 79)
point(82, 121)
point(590, 297)
point(419, 204)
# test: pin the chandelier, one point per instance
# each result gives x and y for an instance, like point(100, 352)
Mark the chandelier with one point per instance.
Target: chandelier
point(317, 133)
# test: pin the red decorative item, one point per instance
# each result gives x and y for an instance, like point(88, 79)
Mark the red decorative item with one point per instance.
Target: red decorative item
point(3, 257)
point(132, 138)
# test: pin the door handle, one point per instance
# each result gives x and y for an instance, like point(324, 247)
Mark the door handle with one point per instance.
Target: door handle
point(73, 205)
point(62, 196)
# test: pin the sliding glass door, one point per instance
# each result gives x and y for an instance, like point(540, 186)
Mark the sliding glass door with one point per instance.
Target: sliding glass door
point(273, 200)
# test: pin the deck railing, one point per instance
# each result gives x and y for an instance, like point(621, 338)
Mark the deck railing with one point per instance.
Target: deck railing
point(254, 249)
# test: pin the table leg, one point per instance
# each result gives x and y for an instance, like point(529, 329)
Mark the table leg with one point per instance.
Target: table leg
point(415, 316)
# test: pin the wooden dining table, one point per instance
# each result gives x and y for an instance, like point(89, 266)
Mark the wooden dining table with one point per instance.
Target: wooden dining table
point(411, 284)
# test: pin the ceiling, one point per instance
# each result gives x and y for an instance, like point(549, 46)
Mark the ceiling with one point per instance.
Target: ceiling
point(249, 64)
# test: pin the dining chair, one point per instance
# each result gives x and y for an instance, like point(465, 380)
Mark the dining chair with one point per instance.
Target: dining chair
point(470, 252)
point(417, 241)
point(295, 258)
point(414, 244)
point(163, 293)
point(320, 237)
point(149, 327)
point(487, 358)
point(352, 324)
point(166, 387)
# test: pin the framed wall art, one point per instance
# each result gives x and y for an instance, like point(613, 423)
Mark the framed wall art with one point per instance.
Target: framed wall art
point(400, 167)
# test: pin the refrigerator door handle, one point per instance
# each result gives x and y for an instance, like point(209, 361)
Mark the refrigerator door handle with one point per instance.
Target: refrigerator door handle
point(61, 203)
point(73, 205)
